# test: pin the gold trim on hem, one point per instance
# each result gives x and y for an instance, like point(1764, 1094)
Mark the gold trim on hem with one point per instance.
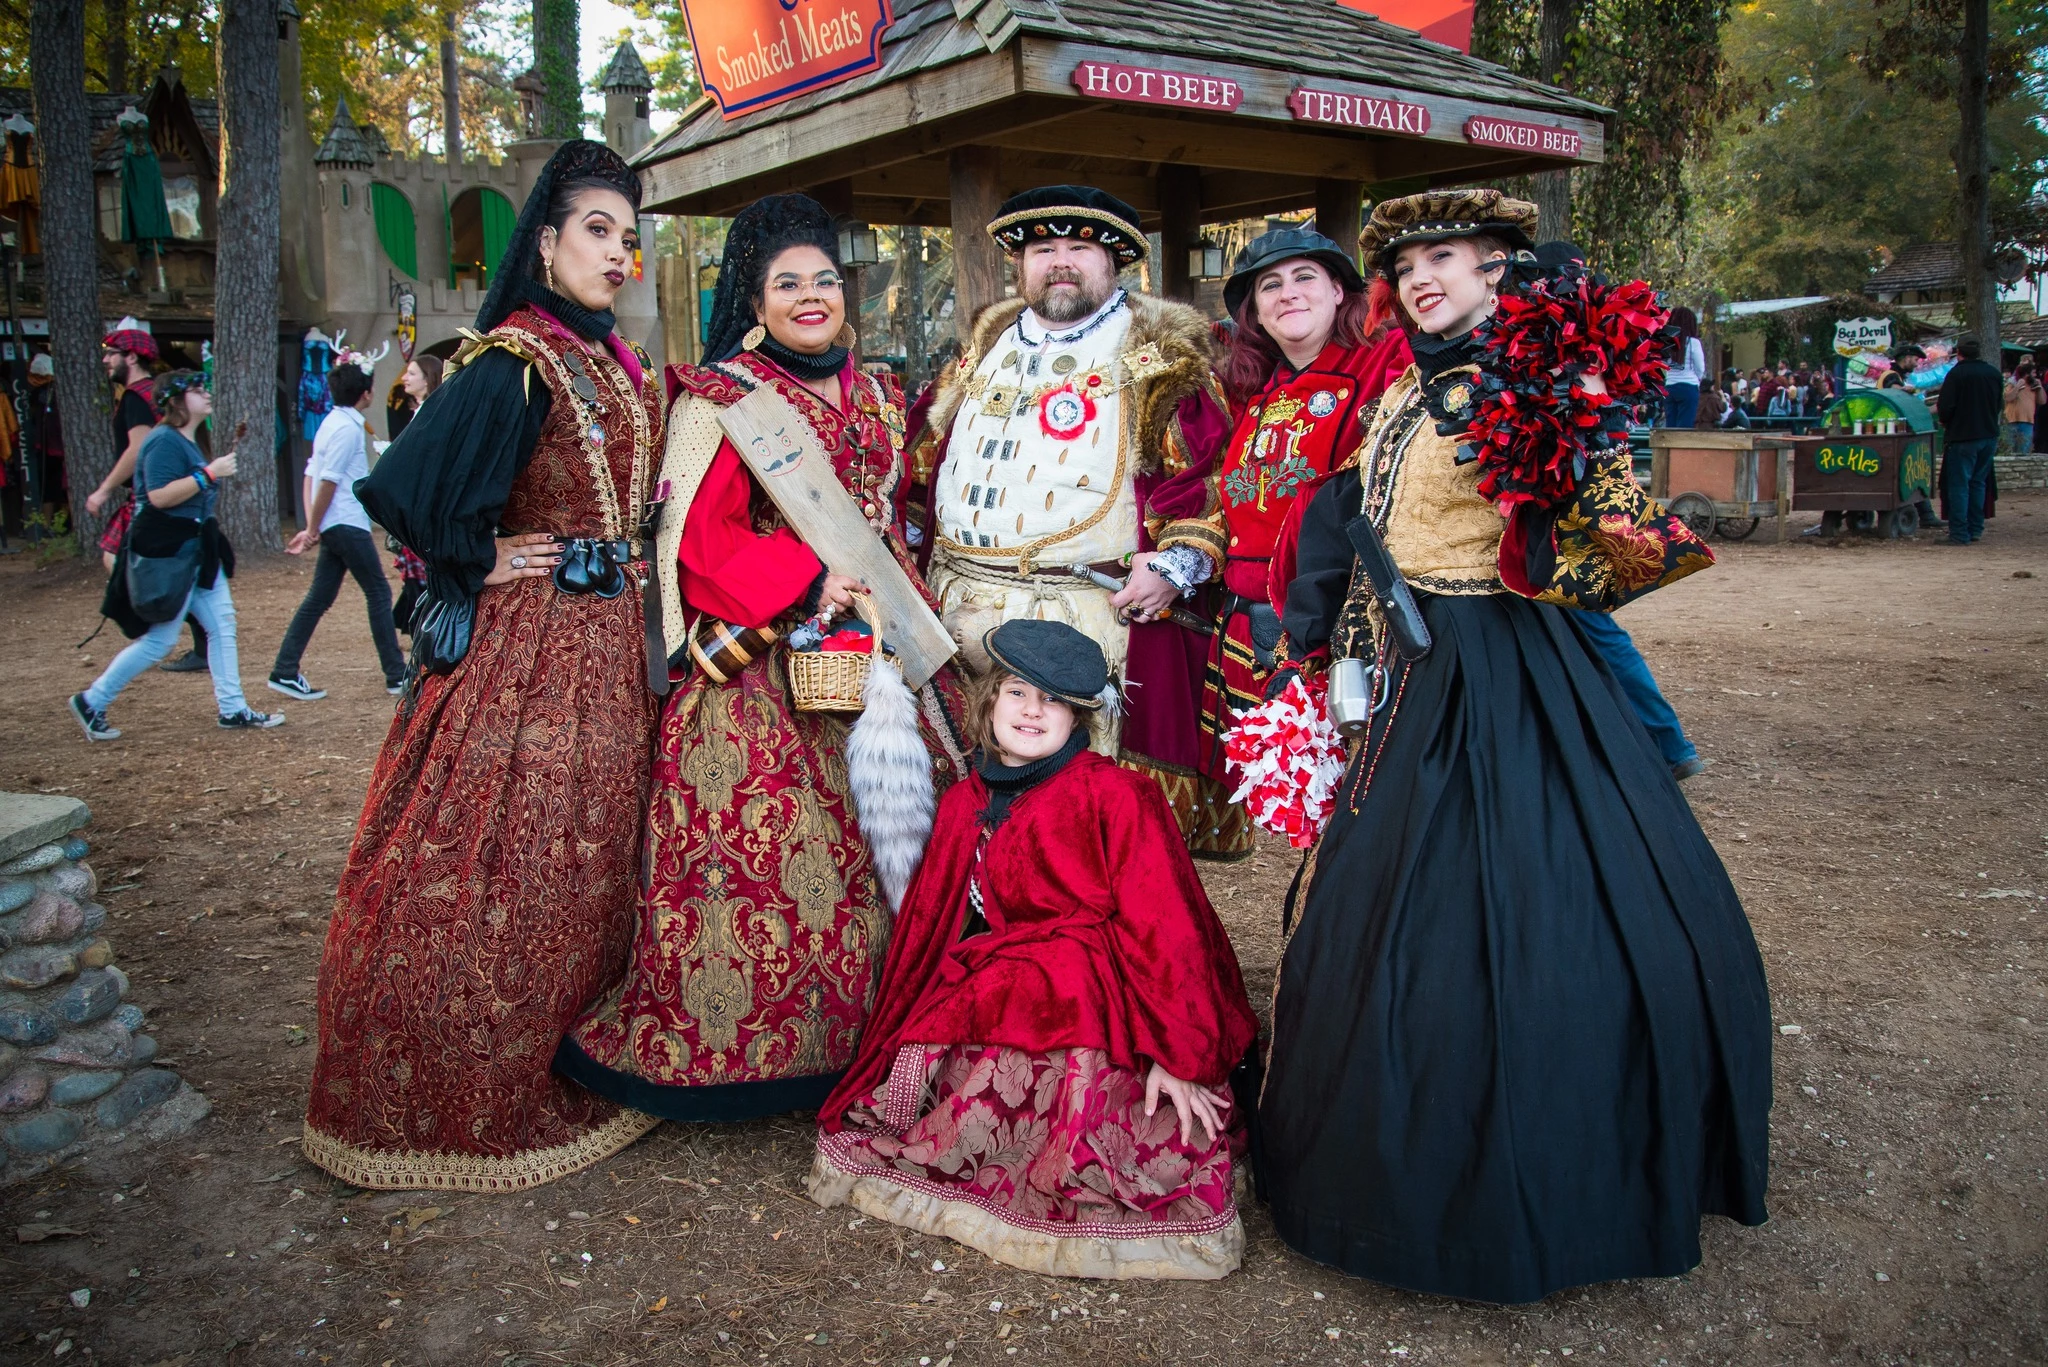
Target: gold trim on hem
point(408, 1170)
point(1160, 1257)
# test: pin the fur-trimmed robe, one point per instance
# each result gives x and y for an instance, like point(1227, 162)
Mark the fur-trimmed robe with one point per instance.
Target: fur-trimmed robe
point(1181, 424)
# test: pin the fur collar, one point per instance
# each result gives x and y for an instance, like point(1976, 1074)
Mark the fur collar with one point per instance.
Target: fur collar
point(1177, 332)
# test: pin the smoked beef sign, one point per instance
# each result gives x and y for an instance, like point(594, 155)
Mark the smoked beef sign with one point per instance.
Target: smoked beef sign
point(1359, 111)
point(754, 53)
point(1542, 139)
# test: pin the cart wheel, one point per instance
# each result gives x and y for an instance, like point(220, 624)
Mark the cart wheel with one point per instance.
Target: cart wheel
point(1736, 528)
point(1904, 523)
point(1696, 511)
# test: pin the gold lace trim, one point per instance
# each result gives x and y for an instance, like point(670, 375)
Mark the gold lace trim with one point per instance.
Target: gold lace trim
point(405, 1170)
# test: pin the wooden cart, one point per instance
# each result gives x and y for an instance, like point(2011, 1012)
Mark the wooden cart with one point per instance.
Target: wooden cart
point(1723, 482)
point(1886, 472)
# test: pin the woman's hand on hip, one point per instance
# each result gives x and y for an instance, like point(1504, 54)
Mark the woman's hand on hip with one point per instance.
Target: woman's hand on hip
point(525, 556)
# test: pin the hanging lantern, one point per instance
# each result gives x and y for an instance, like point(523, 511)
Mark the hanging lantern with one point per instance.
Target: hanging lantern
point(1205, 261)
point(858, 245)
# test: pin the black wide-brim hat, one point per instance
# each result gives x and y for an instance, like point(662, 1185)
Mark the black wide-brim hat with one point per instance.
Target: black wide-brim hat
point(1286, 244)
point(1075, 211)
point(1439, 216)
point(1051, 656)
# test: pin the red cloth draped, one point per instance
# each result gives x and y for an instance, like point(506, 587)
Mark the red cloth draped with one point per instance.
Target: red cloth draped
point(1101, 937)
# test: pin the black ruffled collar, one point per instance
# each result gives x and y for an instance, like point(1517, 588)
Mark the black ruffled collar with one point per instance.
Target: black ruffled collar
point(1449, 390)
point(1007, 782)
point(805, 366)
point(591, 326)
point(1435, 355)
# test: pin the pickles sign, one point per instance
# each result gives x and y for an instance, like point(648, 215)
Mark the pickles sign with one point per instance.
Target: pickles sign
point(755, 53)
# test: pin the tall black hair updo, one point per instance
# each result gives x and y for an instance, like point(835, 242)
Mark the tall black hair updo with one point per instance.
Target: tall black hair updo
point(763, 231)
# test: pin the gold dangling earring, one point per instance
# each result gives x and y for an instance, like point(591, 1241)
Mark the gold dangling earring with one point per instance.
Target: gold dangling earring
point(549, 267)
point(846, 336)
point(755, 336)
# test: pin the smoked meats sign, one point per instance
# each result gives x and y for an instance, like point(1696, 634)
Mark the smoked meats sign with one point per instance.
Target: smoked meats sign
point(754, 53)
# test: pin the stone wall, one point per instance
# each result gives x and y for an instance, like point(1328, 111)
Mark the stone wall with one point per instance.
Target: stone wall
point(75, 1062)
point(2021, 472)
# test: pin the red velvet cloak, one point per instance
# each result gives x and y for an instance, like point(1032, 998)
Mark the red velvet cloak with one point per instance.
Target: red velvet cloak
point(1100, 937)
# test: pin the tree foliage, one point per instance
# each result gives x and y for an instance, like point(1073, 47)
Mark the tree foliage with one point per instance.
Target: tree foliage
point(160, 33)
point(1658, 65)
point(1825, 172)
point(663, 38)
point(385, 57)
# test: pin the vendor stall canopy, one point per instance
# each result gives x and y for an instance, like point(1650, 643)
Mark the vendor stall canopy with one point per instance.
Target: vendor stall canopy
point(1193, 111)
point(1880, 405)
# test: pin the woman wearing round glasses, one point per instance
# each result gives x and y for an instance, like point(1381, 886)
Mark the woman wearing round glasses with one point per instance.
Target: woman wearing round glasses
point(764, 917)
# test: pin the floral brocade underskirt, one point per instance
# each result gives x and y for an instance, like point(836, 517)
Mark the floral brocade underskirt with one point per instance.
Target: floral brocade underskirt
point(1045, 1162)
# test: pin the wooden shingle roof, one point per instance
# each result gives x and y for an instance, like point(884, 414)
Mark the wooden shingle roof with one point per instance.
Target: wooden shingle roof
point(955, 61)
point(1923, 266)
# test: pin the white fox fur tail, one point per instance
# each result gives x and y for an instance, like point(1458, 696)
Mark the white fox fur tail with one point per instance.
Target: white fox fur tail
point(890, 774)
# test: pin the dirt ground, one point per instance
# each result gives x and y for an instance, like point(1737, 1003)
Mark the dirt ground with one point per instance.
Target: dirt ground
point(1874, 714)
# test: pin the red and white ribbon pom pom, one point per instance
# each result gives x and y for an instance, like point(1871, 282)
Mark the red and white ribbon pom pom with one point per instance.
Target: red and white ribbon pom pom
point(1291, 760)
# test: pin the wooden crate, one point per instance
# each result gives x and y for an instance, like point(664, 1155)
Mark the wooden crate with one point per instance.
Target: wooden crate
point(1743, 474)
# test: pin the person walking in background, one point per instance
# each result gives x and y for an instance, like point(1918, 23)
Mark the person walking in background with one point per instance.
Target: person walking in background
point(1969, 406)
point(1683, 375)
point(46, 436)
point(181, 487)
point(338, 525)
point(422, 377)
point(2023, 396)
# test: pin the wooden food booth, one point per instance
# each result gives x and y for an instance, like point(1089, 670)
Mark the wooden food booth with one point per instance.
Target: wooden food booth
point(1192, 111)
point(1879, 455)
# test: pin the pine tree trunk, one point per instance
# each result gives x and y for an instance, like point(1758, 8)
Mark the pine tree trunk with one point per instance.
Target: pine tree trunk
point(71, 279)
point(115, 13)
point(1553, 189)
point(245, 319)
point(556, 32)
point(451, 82)
point(1973, 177)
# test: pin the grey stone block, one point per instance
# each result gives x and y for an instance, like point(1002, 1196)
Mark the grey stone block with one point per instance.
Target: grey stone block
point(10, 1056)
point(24, 1090)
point(96, 993)
point(15, 893)
point(142, 1049)
point(95, 917)
point(28, 820)
point(74, 1089)
point(51, 916)
point(35, 861)
point(76, 881)
point(129, 1017)
point(140, 1092)
point(38, 967)
point(105, 1045)
point(25, 1025)
point(76, 847)
point(45, 1133)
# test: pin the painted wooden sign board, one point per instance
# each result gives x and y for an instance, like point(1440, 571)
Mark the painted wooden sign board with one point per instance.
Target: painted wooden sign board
point(784, 454)
point(1543, 139)
point(755, 53)
point(1153, 85)
point(1359, 111)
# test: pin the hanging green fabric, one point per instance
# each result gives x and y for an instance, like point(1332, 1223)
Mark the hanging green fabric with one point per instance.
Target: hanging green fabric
point(145, 218)
point(396, 230)
point(499, 219)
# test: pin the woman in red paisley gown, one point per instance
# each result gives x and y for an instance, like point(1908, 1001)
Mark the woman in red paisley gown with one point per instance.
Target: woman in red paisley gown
point(491, 890)
point(762, 922)
point(1304, 371)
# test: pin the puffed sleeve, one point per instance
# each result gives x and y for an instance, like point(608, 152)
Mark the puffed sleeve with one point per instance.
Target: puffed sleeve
point(1184, 1000)
point(442, 486)
point(1185, 507)
point(1322, 569)
point(727, 568)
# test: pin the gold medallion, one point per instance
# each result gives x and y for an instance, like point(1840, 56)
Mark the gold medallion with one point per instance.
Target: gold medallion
point(1062, 364)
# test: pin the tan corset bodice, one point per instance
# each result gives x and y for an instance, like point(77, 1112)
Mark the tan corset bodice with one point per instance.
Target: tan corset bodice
point(1440, 531)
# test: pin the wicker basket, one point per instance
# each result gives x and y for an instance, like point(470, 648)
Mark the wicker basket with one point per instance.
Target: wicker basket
point(835, 680)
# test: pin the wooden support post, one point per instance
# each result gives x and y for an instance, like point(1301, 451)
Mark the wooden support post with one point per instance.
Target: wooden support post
point(1784, 492)
point(837, 198)
point(976, 184)
point(1339, 204)
point(1180, 227)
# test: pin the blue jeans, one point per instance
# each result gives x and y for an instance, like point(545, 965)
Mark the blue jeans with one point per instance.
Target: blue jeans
point(1681, 405)
point(1632, 672)
point(1965, 473)
point(2022, 437)
point(215, 610)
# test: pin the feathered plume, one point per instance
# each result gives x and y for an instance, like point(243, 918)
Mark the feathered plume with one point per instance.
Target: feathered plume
point(890, 775)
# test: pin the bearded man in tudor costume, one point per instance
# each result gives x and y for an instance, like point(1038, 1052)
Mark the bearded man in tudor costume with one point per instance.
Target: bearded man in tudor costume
point(1308, 358)
point(1079, 430)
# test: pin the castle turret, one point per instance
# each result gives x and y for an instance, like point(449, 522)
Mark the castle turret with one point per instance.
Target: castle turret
point(626, 87)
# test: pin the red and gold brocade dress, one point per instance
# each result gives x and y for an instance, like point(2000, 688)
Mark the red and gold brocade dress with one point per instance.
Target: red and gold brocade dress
point(762, 925)
point(1289, 438)
point(999, 1095)
point(491, 890)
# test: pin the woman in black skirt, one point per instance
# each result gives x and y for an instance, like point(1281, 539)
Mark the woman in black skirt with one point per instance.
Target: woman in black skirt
point(1521, 1036)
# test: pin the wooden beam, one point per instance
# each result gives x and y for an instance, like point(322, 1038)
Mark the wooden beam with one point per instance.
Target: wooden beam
point(977, 261)
point(1339, 204)
point(1180, 213)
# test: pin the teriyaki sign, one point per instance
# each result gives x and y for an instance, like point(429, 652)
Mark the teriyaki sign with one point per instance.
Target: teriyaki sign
point(754, 53)
point(1359, 111)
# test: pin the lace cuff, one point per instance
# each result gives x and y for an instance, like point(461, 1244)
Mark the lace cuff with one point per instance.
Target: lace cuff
point(1185, 567)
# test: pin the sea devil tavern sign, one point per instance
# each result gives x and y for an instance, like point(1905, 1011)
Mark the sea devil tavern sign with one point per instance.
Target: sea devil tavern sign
point(754, 53)
point(1383, 113)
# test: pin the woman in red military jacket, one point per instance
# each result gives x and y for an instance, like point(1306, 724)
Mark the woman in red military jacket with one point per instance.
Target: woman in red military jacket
point(1043, 1075)
point(1305, 368)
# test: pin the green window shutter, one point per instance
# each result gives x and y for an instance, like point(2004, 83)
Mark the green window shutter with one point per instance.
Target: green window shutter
point(396, 230)
point(499, 219)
